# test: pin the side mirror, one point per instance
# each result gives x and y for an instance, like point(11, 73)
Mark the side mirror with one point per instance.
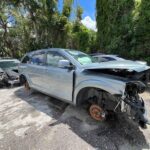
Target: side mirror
point(64, 64)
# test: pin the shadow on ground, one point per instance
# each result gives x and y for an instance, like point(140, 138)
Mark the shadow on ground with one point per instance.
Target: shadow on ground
point(118, 133)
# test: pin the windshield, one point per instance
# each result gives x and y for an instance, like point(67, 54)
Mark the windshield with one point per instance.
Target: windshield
point(82, 58)
point(8, 64)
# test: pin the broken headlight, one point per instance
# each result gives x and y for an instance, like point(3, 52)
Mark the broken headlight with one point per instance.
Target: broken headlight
point(133, 88)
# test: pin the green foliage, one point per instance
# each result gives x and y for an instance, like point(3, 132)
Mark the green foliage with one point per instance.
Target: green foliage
point(67, 7)
point(83, 38)
point(39, 24)
point(79, 13)
point(124, 27)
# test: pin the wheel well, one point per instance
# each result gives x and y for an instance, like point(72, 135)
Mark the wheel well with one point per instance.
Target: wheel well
point(22, 79)
point(85, 93)
point(97, 96)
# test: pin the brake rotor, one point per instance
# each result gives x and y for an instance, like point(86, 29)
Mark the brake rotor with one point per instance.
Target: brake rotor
point(97, 112)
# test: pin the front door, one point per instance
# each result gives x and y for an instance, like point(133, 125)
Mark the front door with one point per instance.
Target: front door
point(58, 81)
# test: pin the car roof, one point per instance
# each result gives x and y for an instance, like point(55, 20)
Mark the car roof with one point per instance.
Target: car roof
point(45, 50)
point(105, 55)
point(51, 49)
point(96, 54)
point(7, 60)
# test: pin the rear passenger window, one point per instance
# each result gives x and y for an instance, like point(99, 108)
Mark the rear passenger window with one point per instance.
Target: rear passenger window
point(53, 58)
point(38, 59)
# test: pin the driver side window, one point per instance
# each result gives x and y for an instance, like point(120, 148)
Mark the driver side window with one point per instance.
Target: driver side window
point(53, 58)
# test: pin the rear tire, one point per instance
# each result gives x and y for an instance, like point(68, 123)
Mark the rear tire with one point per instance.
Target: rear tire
point(26, 85)
point(23, 81)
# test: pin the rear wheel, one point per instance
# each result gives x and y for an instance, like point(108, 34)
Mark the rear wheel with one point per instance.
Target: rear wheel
point(23, 81)
point(26, 85)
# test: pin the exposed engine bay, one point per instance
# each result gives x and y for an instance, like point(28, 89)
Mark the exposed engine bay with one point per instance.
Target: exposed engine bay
point(134, 104)
point(143, 76)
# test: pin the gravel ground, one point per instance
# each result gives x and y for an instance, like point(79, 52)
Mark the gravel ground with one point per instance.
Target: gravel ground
point(30, 120)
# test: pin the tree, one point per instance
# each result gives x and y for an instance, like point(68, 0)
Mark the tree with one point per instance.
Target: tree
point(114, 24)
point(123, 27)
point(5, 25)
point(67, 8)
point(30, 25)
point(141, 22)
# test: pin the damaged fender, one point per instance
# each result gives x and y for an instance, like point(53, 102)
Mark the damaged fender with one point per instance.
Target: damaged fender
point(113, 87)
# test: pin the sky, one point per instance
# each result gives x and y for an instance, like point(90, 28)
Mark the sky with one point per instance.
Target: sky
point(88, 17)
point(88, 7)
point(89, 10)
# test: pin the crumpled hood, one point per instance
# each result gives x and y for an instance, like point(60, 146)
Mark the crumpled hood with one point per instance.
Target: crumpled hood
point(11, 72)
point(127, 64)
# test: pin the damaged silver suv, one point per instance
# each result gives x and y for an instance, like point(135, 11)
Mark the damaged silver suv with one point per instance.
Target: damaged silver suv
point(77, 78)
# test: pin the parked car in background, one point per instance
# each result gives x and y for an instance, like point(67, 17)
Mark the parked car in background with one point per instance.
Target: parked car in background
point(145, 77)
point(3, 78)
point(105, 58)
point(10, 70)
point(77, 78)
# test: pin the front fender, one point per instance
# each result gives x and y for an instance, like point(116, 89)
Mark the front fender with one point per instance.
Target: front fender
point(111, 86)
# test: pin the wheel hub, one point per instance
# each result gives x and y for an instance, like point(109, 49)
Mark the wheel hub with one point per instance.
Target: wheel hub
point(97, 112)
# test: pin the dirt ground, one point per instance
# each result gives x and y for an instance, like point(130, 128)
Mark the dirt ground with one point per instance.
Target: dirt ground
point(33, 121)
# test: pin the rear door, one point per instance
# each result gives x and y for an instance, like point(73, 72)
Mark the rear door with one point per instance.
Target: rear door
point(36, 70)
point(58, 81)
